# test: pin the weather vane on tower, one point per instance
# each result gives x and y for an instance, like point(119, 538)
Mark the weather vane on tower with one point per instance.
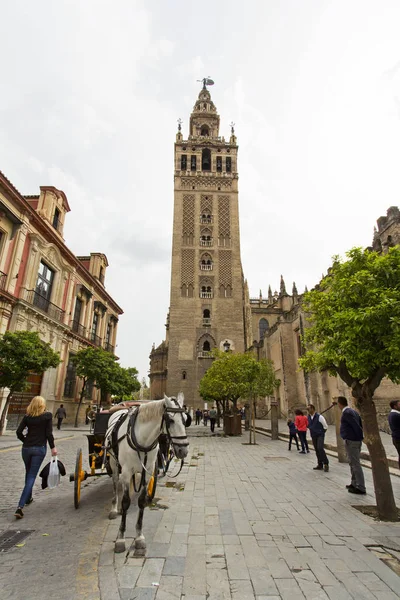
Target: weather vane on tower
point(206, 81)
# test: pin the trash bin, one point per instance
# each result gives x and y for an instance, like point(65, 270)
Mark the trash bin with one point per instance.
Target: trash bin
point(233, 424)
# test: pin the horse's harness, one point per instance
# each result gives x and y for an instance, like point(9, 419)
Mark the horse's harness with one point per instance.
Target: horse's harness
point(134, 444)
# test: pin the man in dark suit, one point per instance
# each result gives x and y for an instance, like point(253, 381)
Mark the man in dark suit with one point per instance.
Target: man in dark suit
point(394, 423)
point(351, 431)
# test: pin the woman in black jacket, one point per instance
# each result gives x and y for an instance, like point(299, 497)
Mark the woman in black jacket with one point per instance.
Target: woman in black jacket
point(38, 423)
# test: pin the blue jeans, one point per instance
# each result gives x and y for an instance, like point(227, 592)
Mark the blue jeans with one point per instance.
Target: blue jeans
point(33, 458)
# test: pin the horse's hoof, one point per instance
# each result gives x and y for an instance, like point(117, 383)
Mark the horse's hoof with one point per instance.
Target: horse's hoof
point(112, 515)
point(140, 544)
point(119, 546)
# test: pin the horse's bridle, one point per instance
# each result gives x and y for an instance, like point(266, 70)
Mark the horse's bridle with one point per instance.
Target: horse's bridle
point(167, 420)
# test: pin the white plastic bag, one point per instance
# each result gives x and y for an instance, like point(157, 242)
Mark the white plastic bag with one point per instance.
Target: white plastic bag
point(54, 474)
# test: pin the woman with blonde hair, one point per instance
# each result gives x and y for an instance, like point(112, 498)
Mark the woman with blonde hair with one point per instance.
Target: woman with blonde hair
point(39, 425)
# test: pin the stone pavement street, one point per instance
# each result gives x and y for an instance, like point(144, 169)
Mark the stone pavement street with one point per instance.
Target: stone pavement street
point(240, 523)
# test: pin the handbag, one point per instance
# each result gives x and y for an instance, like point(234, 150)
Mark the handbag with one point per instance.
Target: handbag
point(54, 474)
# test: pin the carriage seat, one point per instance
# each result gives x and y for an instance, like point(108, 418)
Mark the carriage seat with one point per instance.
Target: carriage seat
point(121, 406)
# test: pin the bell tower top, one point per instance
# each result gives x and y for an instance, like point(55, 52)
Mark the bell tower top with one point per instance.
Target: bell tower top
point(204, 120)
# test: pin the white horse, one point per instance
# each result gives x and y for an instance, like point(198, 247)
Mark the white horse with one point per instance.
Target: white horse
point(133, 459)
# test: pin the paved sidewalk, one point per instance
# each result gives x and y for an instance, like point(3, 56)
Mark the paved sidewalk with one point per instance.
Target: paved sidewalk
point(254, 522)
point(330, 437)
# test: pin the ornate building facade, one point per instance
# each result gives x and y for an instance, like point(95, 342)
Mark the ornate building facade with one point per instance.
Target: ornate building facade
point(277, 324)
point(46, 288)
point(207, 290)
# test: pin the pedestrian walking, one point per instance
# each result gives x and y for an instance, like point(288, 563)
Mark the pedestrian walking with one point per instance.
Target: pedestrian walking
point(60, 415)
point(198, 416)
point(213, 417)
point(394, 424)
point(39, 426)
point(292, 434)
point(318, 426)
point(351, 431)
point(205, 417)
point(301, 424)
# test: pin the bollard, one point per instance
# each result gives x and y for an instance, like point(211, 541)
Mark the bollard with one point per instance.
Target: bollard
point(341, 450)
point(246, 416)
point(274, 420)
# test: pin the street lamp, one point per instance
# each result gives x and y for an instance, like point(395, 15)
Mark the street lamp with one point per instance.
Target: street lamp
point(226, 346)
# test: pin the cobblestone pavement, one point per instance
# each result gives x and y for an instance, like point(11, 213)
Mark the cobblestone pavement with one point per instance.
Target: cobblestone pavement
point(60, 557)
point(239, 523)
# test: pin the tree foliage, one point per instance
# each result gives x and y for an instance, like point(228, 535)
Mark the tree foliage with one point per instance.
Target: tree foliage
point(22, 353)
point(234, 375)
point(355, 318)
point(101, 367)
point(355, 333)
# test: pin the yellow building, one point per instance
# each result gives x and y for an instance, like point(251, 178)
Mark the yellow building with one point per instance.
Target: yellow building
point(44, 287)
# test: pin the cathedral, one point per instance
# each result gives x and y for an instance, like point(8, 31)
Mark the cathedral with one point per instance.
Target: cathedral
point(210, 305)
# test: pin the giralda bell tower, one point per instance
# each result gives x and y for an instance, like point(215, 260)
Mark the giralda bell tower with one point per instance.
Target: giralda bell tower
point(207, 288)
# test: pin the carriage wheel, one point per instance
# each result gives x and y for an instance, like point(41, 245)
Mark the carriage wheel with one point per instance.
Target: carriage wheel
point(151, 486)
point(79, 476)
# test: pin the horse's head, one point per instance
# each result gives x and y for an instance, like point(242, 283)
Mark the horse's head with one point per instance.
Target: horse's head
point(175, 419)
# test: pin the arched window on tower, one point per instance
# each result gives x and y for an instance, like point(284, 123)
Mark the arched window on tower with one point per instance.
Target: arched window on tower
point(206, 346)
point(206, 159)
point(206, 313)
point(263, 327)
point(205, 131)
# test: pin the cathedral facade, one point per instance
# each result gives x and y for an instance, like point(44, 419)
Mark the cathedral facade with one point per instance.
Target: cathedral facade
point(210, 305)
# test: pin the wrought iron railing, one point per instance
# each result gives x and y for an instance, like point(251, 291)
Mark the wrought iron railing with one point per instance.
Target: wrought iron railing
point(206, 267)
point(95, 339)
point(206, 321)
point(3, 277)
point(109, 348)
point(206, 242)
point(78, 328)
point(44, 305)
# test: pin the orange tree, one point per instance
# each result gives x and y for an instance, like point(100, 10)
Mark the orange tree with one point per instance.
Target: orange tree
point(355, 333)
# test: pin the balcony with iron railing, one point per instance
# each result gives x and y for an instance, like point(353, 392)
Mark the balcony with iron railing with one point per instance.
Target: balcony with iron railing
point(95, 339)
point(206, 322)
point(3, 278)
point(79, 329)
point(204, 354)
point(208, 219)
point(207, 243)
point(204, 267)
point(206, 294)
point(109, 348)
point(44, 305)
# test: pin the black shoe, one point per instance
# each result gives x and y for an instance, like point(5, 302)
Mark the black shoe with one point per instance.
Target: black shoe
point(19, 514)
point(326, 468)
point(29, 501)
point(301, 452)
point(318, 468)
point(308, 452)
point(354, 490)
point(349, 486)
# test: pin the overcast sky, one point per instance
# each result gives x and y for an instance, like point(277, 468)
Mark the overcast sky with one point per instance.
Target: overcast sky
point(90, 93)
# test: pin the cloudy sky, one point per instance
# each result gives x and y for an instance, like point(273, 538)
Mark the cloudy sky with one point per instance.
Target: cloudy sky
point(91, 91)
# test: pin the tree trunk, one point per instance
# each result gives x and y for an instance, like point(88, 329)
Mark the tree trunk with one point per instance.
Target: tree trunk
point(80, 403)
point(4, 414)
point(385, 501)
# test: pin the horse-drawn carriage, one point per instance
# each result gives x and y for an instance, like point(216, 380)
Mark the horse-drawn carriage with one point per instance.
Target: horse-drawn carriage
point(125, 444)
